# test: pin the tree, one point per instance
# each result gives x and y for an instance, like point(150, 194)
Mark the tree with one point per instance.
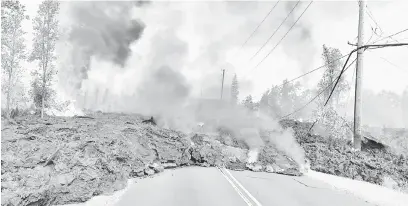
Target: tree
point(331, 58)
point(305, 96)
point(13, 49)
point(234, 90)
point(288, 96)
point(249, 103)
point(404, 107)
point(264, 107)
point(273, 101)
point(45, 29)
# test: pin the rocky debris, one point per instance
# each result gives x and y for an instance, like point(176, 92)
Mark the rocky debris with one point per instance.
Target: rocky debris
point(237, 165)
point(335, 156)
point(169, 165)
point(69, 160)
point(269, 169)
point(255, 167)
point(157, 167)
point(149, 171)
point(372, 143)
point(66, 160)
point(14, 113)
point(277, 161)
point(149, 121)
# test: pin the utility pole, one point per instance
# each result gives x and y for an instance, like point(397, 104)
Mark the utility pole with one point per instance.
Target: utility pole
point(359, 71)
point(222, 83)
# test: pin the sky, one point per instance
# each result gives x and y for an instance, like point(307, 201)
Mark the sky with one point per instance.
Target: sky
point(197, 39)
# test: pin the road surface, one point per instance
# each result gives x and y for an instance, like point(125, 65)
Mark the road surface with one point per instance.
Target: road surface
point(212, 186)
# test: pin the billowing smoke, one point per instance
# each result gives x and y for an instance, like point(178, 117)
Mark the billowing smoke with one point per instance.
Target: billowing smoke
point(105, 29)
point(102, 30)
point(159, 65)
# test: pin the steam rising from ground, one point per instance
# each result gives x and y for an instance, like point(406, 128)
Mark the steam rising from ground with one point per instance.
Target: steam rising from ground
point(123, 58)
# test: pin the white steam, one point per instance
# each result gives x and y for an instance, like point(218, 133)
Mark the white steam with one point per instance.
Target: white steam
point(156, 60)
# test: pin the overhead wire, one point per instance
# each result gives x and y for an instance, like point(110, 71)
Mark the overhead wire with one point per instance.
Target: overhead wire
point(321, 92)
point(251, 35)
point(390, 35)
point(259, 25)
point(283, 36)
point(273, 34)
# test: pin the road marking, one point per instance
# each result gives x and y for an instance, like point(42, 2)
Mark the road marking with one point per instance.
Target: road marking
point(242, 187)
point(236, 188)
point(235, 184)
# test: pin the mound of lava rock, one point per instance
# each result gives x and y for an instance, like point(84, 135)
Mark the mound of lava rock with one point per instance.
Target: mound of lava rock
point(376, 163)
point(65, 160)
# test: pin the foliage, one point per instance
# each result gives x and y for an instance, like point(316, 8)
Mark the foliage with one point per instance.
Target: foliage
point(234, 90)
point(273, 102)
point(45, 26)
point(264, 107)
point(36, 94)
point(404, 107)
point(13, 50)
point(249, 103)
point(280, 100)
point(289, 96)
point(331, 58)
point(331, 124)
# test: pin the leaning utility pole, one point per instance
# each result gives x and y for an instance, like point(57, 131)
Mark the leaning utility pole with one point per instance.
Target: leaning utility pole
point(222, 83)
point(359, 71)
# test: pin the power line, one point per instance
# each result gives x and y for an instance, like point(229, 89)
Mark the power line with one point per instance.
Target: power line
point(256, 29)
point(370, 14)
point(320, 67)
point(273, 34)
point(396, 66)
point(341, 73)
point(321, 92)
point(253, 33)
point(391, 35)
point(338, 79)
point(311, 71)
point(389, 62)
point(349, 96)
point(284, 35)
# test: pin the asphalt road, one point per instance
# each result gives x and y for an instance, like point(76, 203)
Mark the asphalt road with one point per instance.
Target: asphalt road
point(211, 186)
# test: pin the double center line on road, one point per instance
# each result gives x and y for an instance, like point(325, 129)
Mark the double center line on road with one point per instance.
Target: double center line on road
point(239, 188)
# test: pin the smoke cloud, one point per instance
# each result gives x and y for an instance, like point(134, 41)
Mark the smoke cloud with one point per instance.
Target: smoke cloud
point(105, 29)
point(162, 59)
point(102, 30)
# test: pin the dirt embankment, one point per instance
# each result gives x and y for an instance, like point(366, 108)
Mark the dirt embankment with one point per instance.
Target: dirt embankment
point(335, 156)
point(68, 160)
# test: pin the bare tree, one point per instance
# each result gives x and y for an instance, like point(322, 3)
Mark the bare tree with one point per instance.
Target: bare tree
point(45, 26)
point(13, 49)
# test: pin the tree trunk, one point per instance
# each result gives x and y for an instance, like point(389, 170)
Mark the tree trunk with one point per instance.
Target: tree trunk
point(9, 78)
point(43, 95)
point(9, 89)
point(42, 105)
point(8, 96)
